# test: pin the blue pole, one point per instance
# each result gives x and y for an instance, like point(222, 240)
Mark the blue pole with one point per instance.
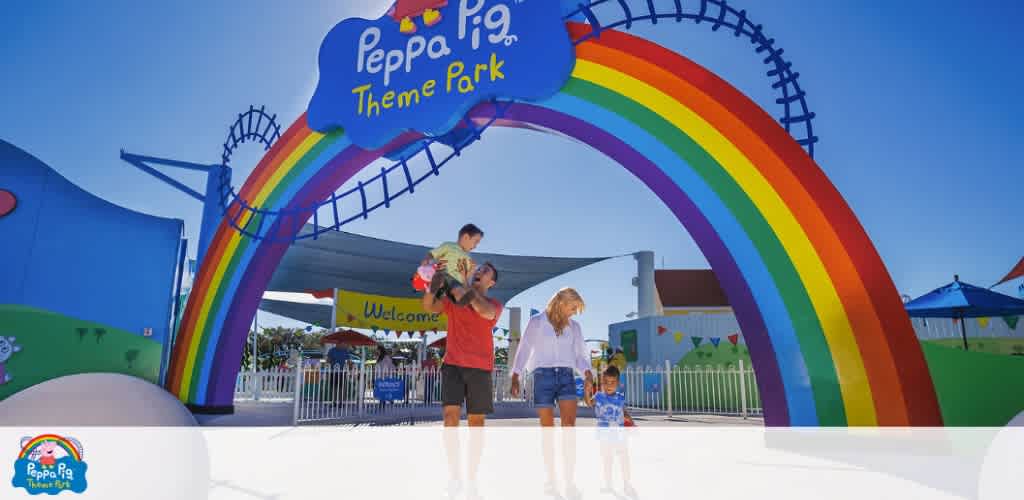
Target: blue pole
point(175, 312)
point(217, 181)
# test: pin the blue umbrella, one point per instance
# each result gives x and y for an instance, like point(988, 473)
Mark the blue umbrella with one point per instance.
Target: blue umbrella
point(962, 300)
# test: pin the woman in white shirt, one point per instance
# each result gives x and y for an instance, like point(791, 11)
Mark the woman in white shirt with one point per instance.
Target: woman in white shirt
point(552, 348)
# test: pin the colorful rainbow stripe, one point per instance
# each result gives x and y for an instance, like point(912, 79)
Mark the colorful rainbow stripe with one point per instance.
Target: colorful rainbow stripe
point(829, 339)
point(69, 447)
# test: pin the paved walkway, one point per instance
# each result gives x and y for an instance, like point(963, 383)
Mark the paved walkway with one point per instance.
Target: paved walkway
point(279, 414)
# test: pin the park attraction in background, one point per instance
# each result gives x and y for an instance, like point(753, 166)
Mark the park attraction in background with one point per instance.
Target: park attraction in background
point(826, 331)
point(828, 336)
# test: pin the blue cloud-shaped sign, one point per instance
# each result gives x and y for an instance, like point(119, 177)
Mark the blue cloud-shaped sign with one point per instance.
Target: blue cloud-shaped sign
point(426, 63)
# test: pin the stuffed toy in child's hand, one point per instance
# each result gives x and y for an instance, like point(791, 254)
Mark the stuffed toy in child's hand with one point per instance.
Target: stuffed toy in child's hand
point(421, 280)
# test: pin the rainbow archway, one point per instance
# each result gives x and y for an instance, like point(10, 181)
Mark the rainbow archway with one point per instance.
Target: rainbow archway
point(830, 342)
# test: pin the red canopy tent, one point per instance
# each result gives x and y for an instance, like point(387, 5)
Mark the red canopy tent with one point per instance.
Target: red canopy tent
point(350, 337)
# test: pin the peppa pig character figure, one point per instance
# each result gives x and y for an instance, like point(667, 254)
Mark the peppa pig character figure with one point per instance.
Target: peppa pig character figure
point(405, 11)
point(48, 454)
point(7, 349)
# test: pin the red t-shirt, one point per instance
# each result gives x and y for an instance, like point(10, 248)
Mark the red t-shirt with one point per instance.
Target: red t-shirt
point(470, 342)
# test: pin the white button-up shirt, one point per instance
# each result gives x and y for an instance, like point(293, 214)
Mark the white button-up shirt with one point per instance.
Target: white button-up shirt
point(540, 347)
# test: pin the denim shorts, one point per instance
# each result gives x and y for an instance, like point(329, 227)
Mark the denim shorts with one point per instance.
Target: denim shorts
point(553, 384)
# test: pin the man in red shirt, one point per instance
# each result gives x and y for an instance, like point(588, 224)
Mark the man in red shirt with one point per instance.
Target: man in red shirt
point(469, 353)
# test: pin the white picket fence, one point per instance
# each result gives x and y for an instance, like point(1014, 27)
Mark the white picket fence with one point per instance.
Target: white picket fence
point(276, 384)
point(946, 328)
point(332, 394)
point(710, 390)
point(323, 394)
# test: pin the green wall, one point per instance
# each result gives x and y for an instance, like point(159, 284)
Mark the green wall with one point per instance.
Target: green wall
point(54, 345)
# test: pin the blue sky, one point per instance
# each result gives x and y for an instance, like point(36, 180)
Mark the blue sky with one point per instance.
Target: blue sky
point(916, 103)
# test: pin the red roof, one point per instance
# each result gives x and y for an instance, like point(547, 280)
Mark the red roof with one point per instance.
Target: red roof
point(350, 337)
point(689, 288)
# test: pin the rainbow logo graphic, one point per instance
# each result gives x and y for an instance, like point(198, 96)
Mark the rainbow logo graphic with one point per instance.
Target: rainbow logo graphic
point(829, 339)
point(50, 464)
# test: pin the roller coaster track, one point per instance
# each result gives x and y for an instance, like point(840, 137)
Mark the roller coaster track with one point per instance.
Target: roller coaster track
point(796, 118)
point(600, 15)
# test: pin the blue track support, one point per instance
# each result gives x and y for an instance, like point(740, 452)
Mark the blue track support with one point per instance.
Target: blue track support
point(213, 208)
point(142, 163)
point(218, 182)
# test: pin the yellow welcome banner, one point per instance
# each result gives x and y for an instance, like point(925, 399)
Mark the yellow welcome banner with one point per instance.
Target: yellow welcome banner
point(360, 310)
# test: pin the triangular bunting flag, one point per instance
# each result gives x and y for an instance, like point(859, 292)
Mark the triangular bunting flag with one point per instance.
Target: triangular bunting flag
point(423, 333)
point(374, 328)
point(506, 330)
point(1011, 321)
point(387, 332)
point(715, 341)
point(983, 322)
point(434, 330)
point(679, 337)
point(696, 341)
point(495, 330)
point(734, 338)
point(534, 312)
point(661, 330)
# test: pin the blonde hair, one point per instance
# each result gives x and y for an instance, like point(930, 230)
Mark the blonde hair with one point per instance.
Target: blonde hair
point(554, 310)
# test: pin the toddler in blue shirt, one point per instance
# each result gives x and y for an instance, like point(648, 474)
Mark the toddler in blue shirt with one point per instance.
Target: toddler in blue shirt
point(610, 410)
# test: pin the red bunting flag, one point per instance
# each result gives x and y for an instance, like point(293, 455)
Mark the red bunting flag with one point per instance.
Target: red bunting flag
point(423, 333)
point(734, 338)
point(321, 294)
point(662, 330)
point(1014, 273)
